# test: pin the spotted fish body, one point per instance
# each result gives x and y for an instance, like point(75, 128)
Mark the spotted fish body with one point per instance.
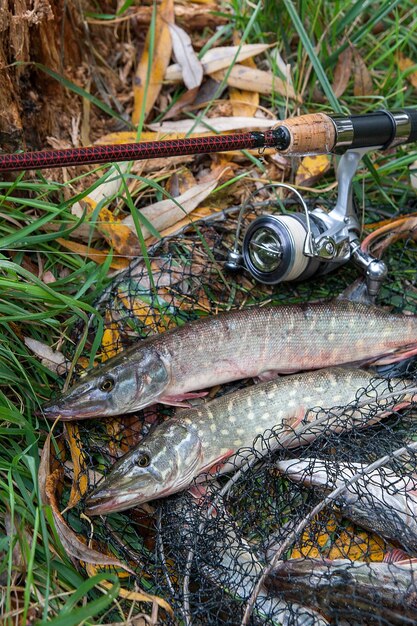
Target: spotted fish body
point(256, 342)
point(195, 440)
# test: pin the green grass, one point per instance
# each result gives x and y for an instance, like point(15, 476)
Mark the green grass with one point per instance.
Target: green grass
point(53, 589)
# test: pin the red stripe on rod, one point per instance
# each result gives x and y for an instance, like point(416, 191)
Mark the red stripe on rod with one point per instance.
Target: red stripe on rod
point(134, 151)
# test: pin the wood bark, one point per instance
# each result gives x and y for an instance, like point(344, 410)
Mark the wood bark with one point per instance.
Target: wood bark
point(34, 32)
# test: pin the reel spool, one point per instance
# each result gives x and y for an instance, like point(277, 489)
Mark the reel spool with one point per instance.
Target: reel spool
point(273, 247)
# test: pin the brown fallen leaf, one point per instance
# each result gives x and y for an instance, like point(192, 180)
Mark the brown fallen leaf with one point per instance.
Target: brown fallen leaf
point(342, 72)
point(120, 237)
point(379, 240)
point(252, 79)
point(53, 360)
point(219, 58)
point(14, 529)
point(311, 169)
point(362, 85)
point(183, 103)
point(161, 56)
point(405, 64)
point(80, 476)
point(98, 256)
point(194, 216)
point(191, 67)
point(167, 212)
point(218, 124)
point(179, 182)
point(48, 483)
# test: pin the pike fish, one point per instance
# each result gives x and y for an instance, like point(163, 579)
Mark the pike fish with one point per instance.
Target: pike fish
point(360, 593)
point(257, 342)
point(381, 500)
point(197, 440)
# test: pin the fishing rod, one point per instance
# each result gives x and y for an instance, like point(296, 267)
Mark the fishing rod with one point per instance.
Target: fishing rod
point(277, 247)
point(316, 133)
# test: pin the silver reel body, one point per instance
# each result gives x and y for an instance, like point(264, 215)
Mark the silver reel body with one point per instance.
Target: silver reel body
point(297, 246)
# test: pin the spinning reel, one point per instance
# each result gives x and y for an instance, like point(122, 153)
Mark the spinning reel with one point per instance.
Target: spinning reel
point(296, 246)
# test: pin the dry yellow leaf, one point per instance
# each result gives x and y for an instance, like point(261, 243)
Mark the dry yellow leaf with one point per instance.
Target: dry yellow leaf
point(404, 63)
point(252, 79)
point(80, 479)
point(98, 256)
point(119, 236)
point(321, 539)
point(156, 320)
point(311, 169)
point(128, 136)
point(244, 103)
point(110, 342)
point(161, 56)
point(135, 596)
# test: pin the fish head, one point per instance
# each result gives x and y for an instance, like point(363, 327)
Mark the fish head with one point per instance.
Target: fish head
point(164, 463)
point(127, 382)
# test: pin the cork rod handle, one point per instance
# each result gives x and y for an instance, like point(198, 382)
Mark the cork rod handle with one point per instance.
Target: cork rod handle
point(310, 134)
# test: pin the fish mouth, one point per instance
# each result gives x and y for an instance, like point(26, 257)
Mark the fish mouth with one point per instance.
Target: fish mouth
point(53, 411)
point(117, 499)
point(102, 504)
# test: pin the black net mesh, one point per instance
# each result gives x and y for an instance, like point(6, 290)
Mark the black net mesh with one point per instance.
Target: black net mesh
point(237, 551)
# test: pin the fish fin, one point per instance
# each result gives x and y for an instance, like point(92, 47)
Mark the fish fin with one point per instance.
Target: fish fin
point(298, 418)
point(181, 398)
point(219, 462)
point(395, 556)
point(214, 466)
point(396, 356)
point(290, 425)
point(267, 375)
point(357, 292)
point(198, 492)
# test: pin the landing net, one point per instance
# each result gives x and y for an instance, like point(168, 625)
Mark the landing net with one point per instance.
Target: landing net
point(206, 557)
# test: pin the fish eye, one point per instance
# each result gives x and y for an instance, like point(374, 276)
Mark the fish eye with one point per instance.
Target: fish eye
point(144, 460)
point(107, 384)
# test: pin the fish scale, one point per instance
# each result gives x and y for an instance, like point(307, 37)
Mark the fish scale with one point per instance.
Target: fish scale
point(196, 440)
point(255, 342)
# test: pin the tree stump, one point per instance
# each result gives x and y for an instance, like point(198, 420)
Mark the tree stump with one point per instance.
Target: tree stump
point(35, 32)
